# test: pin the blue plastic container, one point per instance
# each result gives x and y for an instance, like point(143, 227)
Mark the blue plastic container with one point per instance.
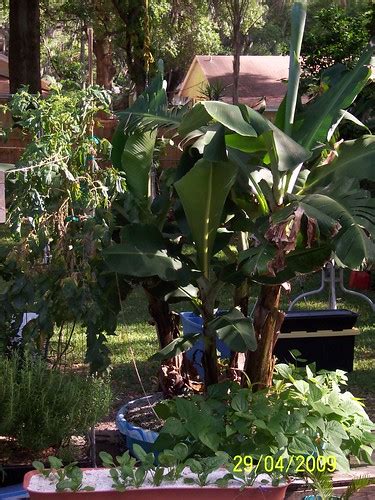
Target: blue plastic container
point(132, 433)
point(191, 323)
point(15, 492)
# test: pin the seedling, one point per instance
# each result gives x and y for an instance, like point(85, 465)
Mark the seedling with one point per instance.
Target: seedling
point(173, 461)
point(126, 473)
point(68, 477)
point(147, 460)
point(204, 467)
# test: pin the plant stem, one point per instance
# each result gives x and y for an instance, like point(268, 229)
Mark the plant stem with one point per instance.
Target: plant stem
point(267, 322)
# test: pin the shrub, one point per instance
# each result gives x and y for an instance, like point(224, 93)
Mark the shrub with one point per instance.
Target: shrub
point(41, 407)
point(303, 414)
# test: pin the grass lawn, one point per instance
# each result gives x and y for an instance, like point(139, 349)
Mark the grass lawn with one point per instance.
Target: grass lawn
point(137, 336)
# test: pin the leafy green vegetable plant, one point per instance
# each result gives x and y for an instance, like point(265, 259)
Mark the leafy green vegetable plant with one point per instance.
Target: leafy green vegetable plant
point(69, 478)
point(125, 474)
point(304, 414)
point(204, 467)
point(173, 461)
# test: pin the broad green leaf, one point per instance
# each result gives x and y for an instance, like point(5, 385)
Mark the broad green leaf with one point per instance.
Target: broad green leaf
point(209, 439)
point(240, 401)
point(301, 445)
point(176, 347)
point(355, 159)
point(139, 452)
point(174, 426)
point(153, 99)
point(143, 254)
point(136, 162)
point(352, 244)
point(194, 119)
point(298, 18)
point(55, 462)
point(300, 261)
point(313, 125)
point(230, 116)
point(203, 191)
point(256, 260)
point(342, 462)
point(235, 330)
point(286, 152)
point(245, 144)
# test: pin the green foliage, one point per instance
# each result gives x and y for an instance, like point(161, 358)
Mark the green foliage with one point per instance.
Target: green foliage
point(248, 174)
point(213, 91)
point(59, 212)
point(43, 407)
point(334, 35)
point(180, 30)
point(303, 413)
point(68, 478)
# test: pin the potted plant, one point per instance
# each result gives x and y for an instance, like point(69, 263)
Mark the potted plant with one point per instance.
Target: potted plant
point(173, 478)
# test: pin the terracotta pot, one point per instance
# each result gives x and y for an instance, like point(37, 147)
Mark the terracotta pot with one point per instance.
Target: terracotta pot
point(165, 493)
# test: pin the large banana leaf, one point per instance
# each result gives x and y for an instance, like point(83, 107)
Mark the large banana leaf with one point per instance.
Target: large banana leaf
point(202, 192)
point(313, 125)
point(298, 18)
point(154, 99)
point(256, 263)
point(355, 159)
point(136, 162)
point(227, 114)
point(144, 254)
point(355, 213)
point(235, 330)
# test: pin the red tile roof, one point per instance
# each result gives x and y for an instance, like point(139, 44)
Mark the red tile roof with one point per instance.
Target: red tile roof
point(260, 76)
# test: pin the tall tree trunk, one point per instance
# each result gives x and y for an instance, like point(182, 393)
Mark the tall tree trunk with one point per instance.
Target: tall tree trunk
point(267, 322)
point(178, 374)
point(133, 15)
point(24, 45)
point(105, 70)
point(165, 322)
point(236, 61)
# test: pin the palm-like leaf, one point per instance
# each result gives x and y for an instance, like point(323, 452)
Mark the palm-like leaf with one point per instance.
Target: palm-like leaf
point(313, 125)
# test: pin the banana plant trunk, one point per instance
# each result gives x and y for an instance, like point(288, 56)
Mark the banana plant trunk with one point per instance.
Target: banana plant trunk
point(209, 354)
point(267, 322)
point(166, 322)
point(178, 373)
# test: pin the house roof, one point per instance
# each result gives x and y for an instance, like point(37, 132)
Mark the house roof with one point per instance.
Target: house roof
point(260, 77)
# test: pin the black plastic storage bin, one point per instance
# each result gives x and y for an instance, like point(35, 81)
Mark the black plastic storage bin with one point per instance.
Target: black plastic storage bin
point(324, 337)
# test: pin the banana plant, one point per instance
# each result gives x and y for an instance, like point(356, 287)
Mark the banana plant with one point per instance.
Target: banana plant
point(292, 191)
point(150, 250)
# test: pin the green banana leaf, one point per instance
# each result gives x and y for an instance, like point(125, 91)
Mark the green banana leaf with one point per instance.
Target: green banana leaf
point(355, 159)
point(235, 330)
point(143, 254)
point(202, 192)
point(136, 161)
point(314, 124)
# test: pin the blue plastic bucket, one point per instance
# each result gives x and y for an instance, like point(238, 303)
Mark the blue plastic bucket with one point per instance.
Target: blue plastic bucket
point(132, 433)
point(192, 323)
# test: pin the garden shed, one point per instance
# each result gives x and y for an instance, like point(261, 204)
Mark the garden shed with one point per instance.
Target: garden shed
point(260, 77)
